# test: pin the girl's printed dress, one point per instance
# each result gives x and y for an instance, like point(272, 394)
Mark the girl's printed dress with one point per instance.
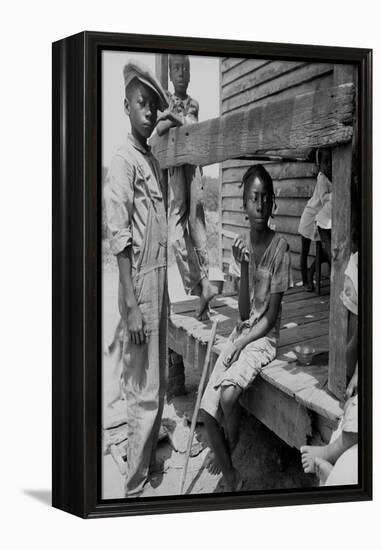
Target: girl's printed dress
point(271, 276)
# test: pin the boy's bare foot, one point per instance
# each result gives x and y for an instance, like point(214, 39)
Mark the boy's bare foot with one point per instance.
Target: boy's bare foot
point(211, 464)
point(208, 292)
point(322, 469)
point(309, 454)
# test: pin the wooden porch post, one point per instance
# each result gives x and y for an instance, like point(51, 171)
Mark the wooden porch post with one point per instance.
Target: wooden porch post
point(340, 247)
point(161, 69)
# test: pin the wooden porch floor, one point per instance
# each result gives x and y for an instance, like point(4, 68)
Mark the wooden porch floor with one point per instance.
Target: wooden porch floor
point(291, 400)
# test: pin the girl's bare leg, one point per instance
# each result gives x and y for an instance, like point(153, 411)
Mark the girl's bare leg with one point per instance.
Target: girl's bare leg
point(220, 449)
point(197, 231)
point(232, 413)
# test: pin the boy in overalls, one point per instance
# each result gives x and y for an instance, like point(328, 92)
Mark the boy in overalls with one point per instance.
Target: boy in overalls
point(135, 202)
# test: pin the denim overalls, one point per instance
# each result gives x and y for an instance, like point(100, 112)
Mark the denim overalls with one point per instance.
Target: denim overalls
point(145, 365)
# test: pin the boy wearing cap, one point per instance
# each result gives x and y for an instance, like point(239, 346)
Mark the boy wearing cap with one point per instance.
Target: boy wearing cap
point(186, 209)
point(135, 203)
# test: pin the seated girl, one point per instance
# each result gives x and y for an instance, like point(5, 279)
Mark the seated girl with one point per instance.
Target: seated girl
point(266, 274)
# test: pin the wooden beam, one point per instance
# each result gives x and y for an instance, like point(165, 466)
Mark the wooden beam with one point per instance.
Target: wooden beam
point(161, 69)
point(308, 120)
point(340, 247)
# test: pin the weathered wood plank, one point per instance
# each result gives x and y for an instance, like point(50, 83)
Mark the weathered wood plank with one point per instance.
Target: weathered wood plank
point(232, 208)
point(320, 343)
point(305, 385)
point(320, 83)
point(308, 120)
point(288, 188)
point(304, 332)
point(241, 69)
point(323, 427)
point(268, 72)
point(277, 170)
point(286, 224)
point(305, 73)
point(280, 413)
point(310, 316)
point(292, 378)
point(301, 294)
point(230, 62)
point(340, 246)
point(307, 306)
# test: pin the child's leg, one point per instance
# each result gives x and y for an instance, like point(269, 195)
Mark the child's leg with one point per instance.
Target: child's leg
point(217, 442)
point(219, 458)
point(197, 231)
point(232, 413)
point(303, 259)
point(145, 375)
point(325, 235)
point(178, 235)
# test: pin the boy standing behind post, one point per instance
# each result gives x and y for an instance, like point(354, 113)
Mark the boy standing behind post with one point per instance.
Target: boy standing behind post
point(135, 203)
point(187, 227)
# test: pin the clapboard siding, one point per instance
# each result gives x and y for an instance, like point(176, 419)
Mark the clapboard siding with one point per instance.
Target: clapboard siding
point(280, 83)
point(243, 68)
point(300, 188)
point(258, 77)
point(246, 82)
point(232, 208)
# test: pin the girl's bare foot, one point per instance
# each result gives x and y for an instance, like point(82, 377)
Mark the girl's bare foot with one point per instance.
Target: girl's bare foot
point(211, 464)
point(309, 453)
point(322, 469)
point(208, 292)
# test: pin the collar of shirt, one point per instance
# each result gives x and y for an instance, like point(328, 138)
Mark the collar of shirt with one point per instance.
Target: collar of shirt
point(145, 150)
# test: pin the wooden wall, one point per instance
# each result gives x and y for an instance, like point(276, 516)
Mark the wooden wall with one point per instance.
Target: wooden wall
point(247, 82)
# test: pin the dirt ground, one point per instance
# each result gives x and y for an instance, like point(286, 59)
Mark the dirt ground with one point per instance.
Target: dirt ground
point(264, 462)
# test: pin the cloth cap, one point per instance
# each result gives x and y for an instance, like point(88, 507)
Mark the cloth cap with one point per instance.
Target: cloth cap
point(134, 69)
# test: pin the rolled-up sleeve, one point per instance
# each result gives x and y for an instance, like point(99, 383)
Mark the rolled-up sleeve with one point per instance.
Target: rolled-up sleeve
point(118, 203)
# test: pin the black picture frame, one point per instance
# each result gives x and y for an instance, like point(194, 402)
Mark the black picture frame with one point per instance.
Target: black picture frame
point(77, 262)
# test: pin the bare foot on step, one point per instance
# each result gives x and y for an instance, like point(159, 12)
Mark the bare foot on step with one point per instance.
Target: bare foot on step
point(308, 455)
point(208, 292)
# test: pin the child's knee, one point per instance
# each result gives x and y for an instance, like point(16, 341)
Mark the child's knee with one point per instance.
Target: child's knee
point(229, 398)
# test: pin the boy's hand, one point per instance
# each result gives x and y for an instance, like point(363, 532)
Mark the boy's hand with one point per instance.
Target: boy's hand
point(235, 352)
point(169, 115)
point(240, 251)
point(135, 325)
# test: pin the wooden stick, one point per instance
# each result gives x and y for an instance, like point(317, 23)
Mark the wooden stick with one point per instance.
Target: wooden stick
point(198, 401)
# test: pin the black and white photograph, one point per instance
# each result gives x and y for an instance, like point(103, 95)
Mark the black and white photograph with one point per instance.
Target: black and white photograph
point(230, 275)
